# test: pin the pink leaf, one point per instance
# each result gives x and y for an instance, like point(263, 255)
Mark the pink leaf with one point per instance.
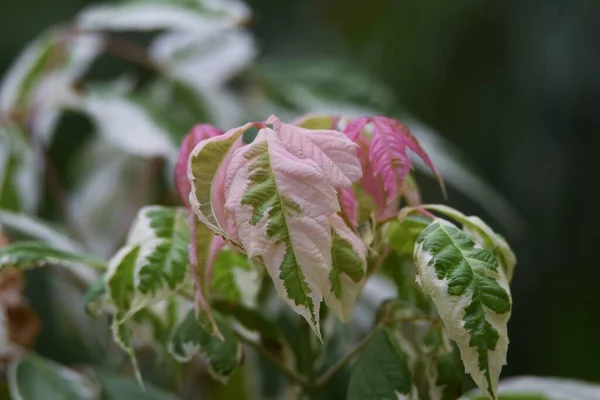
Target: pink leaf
point(195, 136)
point(332, 151)
point(355, 127)
point(349, 205)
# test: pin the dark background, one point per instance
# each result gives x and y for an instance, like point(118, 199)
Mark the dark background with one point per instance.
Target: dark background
point(515, 84)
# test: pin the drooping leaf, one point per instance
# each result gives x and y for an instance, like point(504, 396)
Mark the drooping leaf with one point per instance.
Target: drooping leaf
point(96, 298)
point(190, 339)
point(29, 254)
point(20, 171)
point(348, 269)
point(33, 378)
point(234, 279)
point(381, 371)
point(472, 297)
point(251, 319)
point(163, 14)
point(206, 169)
point(282, 206)
point(483, 235)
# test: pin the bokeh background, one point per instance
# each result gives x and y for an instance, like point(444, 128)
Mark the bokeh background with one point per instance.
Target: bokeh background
point(515, 84)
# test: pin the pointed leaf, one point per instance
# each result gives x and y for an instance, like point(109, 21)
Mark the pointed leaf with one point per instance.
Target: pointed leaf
point(197, 134)
point(33, 378)
point(381, 371)
point(483, 235)
point(20, 171)
point(206, 168)
point(190, 339)
point(471, 295)
point(331, 150)
point(30, 254)
point(348, 269)
point(349, 206)
point(444, 376)
point(316, 121)
point(234, 279)
point(282, 206)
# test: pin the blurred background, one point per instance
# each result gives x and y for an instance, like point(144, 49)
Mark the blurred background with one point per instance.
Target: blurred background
point(514, 84)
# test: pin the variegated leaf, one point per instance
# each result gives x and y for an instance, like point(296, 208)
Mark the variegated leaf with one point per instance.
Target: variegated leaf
point(348, 269)
point(190, 339)
point(483, 235)
point(282, 206)
point(29, 254)
point(443, 375)
point(331, 150)
point(471, 294)
point(207, 166)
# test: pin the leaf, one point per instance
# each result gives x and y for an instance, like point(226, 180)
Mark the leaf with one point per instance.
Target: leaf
point(20, 171)
point(190, 339)
point(234, 279)
point(251, 319)
point(165, 267)
point(117, 387)
point(162, 14)
point(205, 59)
point(24, 73)
point(33, 378)
point(471, 295)
point(30, 254)
point(444, 376)
point(282, 206)
point(332, 151)
point(197, 134)
point(37, 229)
point(348, 269)
point(381, 371)
point(96, 298)
point(483, 235)
point(544, 388)
point(114, 114)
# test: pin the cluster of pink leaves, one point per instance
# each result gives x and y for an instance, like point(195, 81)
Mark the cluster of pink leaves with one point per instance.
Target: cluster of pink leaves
point(378, 159)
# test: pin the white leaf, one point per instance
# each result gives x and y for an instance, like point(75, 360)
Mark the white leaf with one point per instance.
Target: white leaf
point(550, 388)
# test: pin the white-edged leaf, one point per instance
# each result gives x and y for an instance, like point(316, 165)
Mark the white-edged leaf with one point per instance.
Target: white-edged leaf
point(190, 339)
point(101, 200)
point(203, 60)
point(382, 370)
point(155, 15)
point(443, 375)
point(483, 235)
point(546, 388)
point(29, 254)
point(33, 378)
point(127, 123)
point(471, 294)
point(282, 206)
point(20, 171)
point(348, 269)
point(234, 279)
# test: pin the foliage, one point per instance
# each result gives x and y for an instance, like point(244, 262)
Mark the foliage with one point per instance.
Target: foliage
point(308, 212)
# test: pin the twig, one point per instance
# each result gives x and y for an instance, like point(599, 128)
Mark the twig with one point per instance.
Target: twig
point(337, 367)
point(291, 374)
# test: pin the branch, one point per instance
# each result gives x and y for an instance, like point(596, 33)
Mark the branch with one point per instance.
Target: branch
point(291, 374)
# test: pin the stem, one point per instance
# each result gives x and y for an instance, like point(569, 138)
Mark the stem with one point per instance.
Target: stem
point(291, 374)
point(337, 367)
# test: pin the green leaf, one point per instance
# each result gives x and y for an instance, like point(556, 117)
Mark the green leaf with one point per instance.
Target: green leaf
point(542, 388)
point(117, 388)
point(34, 378)
point(444, 376)
point(233, 278)
point(251, 319)
point(20, 171)
point(483, 235)
point(460, 276)
point(382, 371)
point(96, 298)
point(348, 269)
point(190, 338)
point(29, 254)
point(402, 235)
